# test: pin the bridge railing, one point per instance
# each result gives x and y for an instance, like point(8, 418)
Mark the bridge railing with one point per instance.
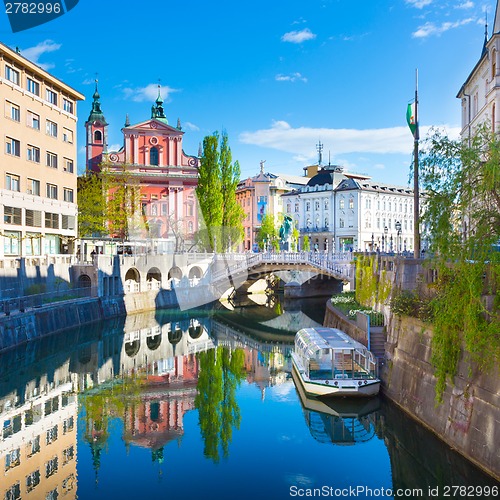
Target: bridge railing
point(338, 263)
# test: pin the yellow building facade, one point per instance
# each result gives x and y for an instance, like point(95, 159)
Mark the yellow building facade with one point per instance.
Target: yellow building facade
point(38, 159)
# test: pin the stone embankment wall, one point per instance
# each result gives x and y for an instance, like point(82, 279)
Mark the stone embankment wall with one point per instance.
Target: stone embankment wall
point(334, 318)
point(468, 419)
point(20, 328)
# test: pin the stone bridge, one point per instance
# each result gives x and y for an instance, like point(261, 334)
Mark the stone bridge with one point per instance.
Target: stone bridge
point(192, 274)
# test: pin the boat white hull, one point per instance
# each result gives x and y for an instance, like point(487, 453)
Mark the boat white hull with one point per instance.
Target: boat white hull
point(327, 388)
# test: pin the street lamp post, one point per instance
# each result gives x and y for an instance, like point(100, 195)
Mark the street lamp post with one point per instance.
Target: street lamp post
point(398, 239)
point(373, 242)
point(384, 241)
point(391, 243)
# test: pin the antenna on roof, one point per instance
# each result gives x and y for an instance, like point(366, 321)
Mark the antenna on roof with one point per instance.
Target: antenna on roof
point(262, 166)
point(319, 148)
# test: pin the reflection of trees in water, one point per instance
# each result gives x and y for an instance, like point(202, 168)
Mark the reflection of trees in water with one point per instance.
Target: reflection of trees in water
point(221, 371)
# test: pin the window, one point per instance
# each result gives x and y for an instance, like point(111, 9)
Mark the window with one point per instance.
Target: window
point(13, 459)
point(12, 111)
point(51, 96)
point(68, 425)
point(52, 191)
point(33, 446)
point(68, 221)
point(68, 195)
point(12, 75)
point(390, 206)
point(51, 160)
point(341, 204)
point(33, 120)
point(51, 220)
point(341, 222)
point(33, 153)
point(67, 105)
point(12, 147)
point(68, 165)
point(351, 202)
point(51, 435)
point(288, 208)
point(297, 208)
point(12, 215)
point(34, 217)
point(326, 204)
point(32, 86)
point(68, 484)
point(32, 480)
point(67, 135)
point(14, 492)
point(316, 206)
point(164, 209)
point(51, 128)
point(51, 467)
point(308, 206)
point(97, 136)
point(68, 454)
point(12, 182)
point(153, 156)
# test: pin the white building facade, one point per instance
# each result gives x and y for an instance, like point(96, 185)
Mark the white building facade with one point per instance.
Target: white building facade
point(340, 212)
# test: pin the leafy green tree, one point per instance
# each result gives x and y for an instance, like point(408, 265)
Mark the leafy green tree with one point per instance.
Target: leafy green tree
point(232, 211)
point(295, 238)
point(209, 194)
point(268, 232)
point(306, 245)
point(461, 180)
point(221, 371)
point(218, 176)
point(123, 207)
point(91, 206)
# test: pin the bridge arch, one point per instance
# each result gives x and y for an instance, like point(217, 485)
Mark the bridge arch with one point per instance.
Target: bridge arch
point(195, 272)
point(175, 273)
point(153, 274)
point(132, 348)
point(175, 335)
point(133, 275)
point(153, 342)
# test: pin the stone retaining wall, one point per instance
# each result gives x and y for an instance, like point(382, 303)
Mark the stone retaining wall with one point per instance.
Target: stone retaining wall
point(469, 417)
point(20, 328)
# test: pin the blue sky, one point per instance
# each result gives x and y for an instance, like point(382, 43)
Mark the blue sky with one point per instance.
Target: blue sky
point(277, 75)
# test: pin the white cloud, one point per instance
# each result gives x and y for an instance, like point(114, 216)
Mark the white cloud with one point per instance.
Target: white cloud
point(298, 36)
point(290, 78)
point(429, 29)
point(466, 5)
point(419, 4)
point(34, 53)
point(301, 141)
point(147, 93)
point(190, 126)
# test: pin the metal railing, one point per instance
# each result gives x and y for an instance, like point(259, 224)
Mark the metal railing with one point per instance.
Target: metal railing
point(26, 302)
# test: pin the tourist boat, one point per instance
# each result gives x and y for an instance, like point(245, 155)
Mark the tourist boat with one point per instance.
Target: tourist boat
point(330, 363)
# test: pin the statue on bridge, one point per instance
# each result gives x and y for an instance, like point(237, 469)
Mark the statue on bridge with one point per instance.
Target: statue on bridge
point(285, 233)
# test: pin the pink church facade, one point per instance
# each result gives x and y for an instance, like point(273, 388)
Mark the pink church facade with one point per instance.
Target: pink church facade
point(152, 158)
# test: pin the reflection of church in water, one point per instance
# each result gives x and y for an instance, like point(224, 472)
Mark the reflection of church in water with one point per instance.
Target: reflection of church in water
point(162, 360)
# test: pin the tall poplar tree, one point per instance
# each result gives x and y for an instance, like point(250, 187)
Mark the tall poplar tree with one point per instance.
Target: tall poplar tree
point(232, 212)
point(221, 216)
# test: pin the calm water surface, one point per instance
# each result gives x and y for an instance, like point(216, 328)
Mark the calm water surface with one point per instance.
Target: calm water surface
point(199, 405)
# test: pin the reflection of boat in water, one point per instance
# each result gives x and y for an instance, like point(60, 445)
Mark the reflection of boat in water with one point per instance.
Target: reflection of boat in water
point(343, 421)
point(330, 363)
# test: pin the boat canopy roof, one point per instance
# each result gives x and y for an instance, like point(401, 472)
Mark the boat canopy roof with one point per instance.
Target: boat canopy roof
point(314, 339)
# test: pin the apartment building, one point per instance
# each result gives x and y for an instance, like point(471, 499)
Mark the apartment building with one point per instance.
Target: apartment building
point(38, 210)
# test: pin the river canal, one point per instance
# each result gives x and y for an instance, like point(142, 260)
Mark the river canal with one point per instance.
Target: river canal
point(202, 405)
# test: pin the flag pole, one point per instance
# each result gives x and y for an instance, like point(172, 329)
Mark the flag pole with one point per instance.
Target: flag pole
point(416, 211)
